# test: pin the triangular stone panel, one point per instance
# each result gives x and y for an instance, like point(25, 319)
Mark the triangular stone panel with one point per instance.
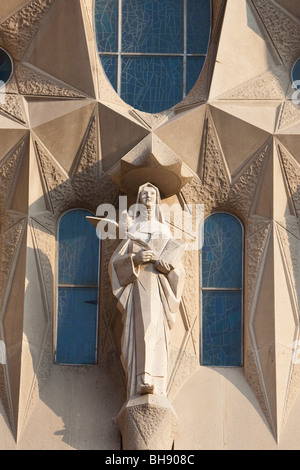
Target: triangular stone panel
point(63, 135)
point(33, 82)
point(263, 115)
point(291, 6)
point(19, 29)
point(69, 63)
point(10, 8)
point(35, 329)
point(18, 200)
point(238, 67)
point(184, 135)
point(13, 107)
point(13, 332)
point(9, 167)
point(239, 139)
point(9, 138)
point(292, 143)
point(56, 181)
point(85, 173)
point(289, 118)
point(292, 172)
point(118, 136)
point(282, 28)
point(273, 199)
point(243, 189)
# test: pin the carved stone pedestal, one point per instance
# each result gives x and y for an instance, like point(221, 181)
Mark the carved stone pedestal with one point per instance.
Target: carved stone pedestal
point(148, 422)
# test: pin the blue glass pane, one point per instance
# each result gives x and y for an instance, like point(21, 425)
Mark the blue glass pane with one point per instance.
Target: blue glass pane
point(78, 250)
point(110, 66)
point(106, 25)
point(198, 26)
point(222, 328)
point(5, 67)
point(152, 84)
point(296, 74)
point(222, 252)
point(76, 326)
point(152, 26)
point(193, 67)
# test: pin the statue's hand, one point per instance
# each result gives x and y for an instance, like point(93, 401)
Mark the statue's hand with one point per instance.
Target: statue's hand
point(142, 257)
point(162, 266)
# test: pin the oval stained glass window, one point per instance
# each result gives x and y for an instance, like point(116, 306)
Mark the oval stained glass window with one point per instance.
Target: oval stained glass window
point(152, 51)
point(296, 74)
point(6, 67)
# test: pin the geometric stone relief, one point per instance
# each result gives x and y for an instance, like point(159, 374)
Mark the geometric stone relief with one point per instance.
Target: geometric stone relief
point(32, 81)
point(292, 172)
point(290, 114)
point(118, 135)
point(272, 328)
point(244, 186)
point(283, 29)
point(38, 309)
point(241, 179)
point(213, 186)
point(62, 187)
point(261, 116)
point(239, 75)
point(85, 171)
point(271, 315)
point(57, 183)
point(13, 107)
point(183, 133)
point(70, 64)
point(20, 28)
point(9, 166)
point(10, 243)
point(238, 137)
point(64, 128)
point(291, 6)
point(12, 231)
point(12, 327)
point(268, 85)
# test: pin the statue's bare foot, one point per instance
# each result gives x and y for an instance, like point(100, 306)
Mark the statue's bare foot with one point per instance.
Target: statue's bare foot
point(147, 388)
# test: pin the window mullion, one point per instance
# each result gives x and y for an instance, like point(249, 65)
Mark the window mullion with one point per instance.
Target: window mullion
point(184, 46)
point(119, 48)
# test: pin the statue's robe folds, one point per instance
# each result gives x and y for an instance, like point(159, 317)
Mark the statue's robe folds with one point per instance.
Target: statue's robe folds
point(148, 301)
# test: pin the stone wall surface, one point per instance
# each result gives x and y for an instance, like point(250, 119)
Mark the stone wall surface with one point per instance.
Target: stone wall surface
point(63, 133)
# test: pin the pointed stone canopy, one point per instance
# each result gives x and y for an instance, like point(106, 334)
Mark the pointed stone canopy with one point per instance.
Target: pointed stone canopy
point(151, 161)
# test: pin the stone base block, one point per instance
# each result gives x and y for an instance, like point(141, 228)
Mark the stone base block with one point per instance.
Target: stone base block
point(148, 422)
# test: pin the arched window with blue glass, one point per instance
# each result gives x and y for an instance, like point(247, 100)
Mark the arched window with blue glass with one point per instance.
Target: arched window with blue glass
point(222, 291)
point(77, 289)
point(152, 51)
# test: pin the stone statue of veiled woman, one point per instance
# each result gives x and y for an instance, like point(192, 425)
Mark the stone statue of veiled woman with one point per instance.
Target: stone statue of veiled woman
point(147, 278)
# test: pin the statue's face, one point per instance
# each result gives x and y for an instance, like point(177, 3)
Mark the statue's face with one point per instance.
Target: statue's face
point(148, 196)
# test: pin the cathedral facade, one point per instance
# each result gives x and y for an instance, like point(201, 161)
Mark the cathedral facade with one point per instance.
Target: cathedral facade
point(69, 143)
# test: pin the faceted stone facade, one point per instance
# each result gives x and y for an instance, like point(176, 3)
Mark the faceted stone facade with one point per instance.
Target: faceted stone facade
point(63, 132)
